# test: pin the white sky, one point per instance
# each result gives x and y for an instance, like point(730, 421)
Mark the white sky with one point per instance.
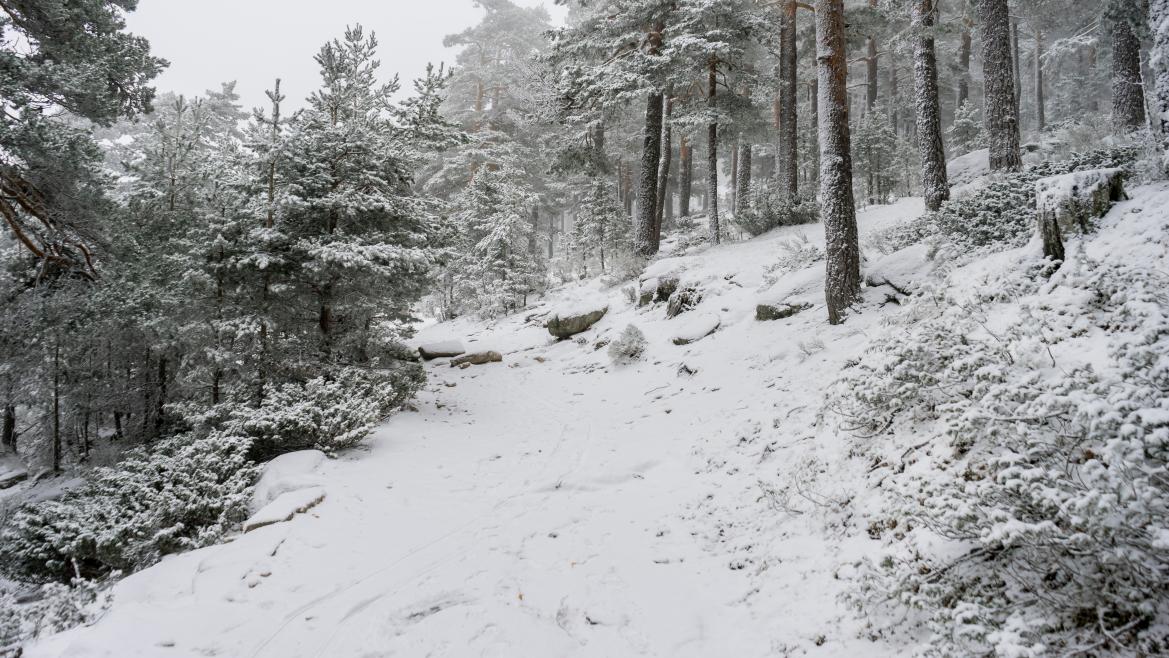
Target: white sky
point(256, 41)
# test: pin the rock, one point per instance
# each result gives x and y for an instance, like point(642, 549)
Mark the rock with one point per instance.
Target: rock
point(1074, 200)
point(10, 477)
point(477, 359)
point(683, 300)
point(291, 471)
point(780, 310)
point(446, 348)
point(657, 289)
point(567, 324)
point(285, 506)
point(696, 329)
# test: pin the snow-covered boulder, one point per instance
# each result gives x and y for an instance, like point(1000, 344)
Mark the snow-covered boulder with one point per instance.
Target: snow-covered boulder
point(683, 300)
point(285, 506)
point(576, 316)
point(477, 359)
point(902, 270)
point(656, 289)
point(441, 349)
point(12, 472)
point(289, 472)
point(1074, 200)
point(696, 328)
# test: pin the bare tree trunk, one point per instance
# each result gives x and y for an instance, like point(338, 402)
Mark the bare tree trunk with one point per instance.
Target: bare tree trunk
point(667, 154)
point(56, 439)
point(1002, 116)
point(870, 74)
point(1128, 98)
point(8, 436)
point(929, 115)
point(787, 160)
point(647, 192)
point(1159, 59)
point(712, 153)
point(734, 175)
point(685, 176)
point(964, 47)
point(743, 180)
point(1016, 64)
point(837, 206)
point(1040, 110)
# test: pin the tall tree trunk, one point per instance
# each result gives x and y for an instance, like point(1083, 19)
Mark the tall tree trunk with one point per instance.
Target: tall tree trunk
point(870, 74)
point(1159, 59)
point(1002, 116)
point(837, 206)
point(667, 155)
point(1040, 109)
point(964, 46)
point(712, 152)
point(56, 438)
point(788, 158)
point(644, 243)
point(685, 176)
point(1016, 65)
point(894, 97)
point(734, 172)
point(1128, 98)
point(929, 115)
point(743, 180)
point(8, 434)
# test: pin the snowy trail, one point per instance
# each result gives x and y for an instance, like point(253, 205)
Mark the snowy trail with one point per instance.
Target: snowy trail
point(551, 505)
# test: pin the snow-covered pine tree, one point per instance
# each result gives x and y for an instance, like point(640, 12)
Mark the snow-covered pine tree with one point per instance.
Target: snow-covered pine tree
point(1159, 61)
point(837, 205)
point(966, 131)
point(601, 229)
point(1001, 115)
point(934, 183)
point(1125, 20)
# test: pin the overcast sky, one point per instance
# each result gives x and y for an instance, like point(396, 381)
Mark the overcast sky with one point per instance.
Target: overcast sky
point(256, 41)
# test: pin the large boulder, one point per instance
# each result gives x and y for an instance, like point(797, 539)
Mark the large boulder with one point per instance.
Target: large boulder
point(683, 300)
point(572, 320)
point(1073, 200)
point(657, 289)
point(441, 349)
point(477, 359)
point(12, 473)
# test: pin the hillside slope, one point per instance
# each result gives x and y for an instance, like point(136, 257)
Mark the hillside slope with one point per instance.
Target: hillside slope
point(558, 505)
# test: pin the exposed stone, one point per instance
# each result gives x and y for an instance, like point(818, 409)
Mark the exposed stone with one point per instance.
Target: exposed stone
point(440, 350)
point(1075, 200)
point(657, 289)
point(765, 312)
point(683, 300)
point(477, 359)
point(567, 325)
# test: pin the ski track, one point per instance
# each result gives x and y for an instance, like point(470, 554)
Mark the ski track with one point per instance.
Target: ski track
point(551, 505)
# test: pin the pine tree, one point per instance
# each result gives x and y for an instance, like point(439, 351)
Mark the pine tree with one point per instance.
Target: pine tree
point(929, 115)
point(966, 130)
point(1159, 60)
point(1128, 95)
point(837, 206)
point(1002, 115)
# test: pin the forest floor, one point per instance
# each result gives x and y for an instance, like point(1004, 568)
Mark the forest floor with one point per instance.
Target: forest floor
point(558, 505)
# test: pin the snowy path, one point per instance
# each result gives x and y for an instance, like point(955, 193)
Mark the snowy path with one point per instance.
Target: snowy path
point(548, 506)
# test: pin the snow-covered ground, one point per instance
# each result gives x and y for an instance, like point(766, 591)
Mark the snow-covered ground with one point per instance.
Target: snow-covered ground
point(555, 504)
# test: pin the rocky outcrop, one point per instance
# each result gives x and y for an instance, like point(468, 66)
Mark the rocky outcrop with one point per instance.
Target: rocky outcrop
point(657, 289)
point(683, 300)
point(477, 359)
point(446, 348)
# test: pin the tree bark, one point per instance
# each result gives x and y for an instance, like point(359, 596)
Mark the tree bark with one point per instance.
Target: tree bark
point(8, 436)
point(870, 74)
point(1016, 64)
point(1040, 109)
point(1002, 116)
point(1128, 98)
point(787, 160)
point(929, 116)
point(56, 438)
point(1159, 60)
point(644, 243)
point(685, 176)
point(964, 46)
point(712, 153)
point(743, 180)
point(837, 205)
point(667, 154)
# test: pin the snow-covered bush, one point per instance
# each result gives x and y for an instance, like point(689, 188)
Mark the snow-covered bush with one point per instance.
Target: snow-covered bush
point(1025, 479)
point(53, 608)
point(325, 413)
point(770, 208)
point(795, 254)
point(629, 346)
point(176, 495)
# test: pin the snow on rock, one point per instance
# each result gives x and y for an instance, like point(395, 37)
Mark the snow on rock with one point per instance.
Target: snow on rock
point(1077, 198)
point(285, 506)
point(901, 270)
point(477, 359)
point(781, 310)
point(577, 315)
point(289, 472)
point(696, 328)
point(12, 472)
point(441, 349)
